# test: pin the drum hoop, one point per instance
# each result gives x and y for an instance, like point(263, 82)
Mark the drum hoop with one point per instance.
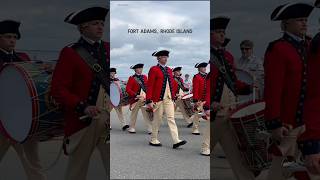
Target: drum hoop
point(243, 106)
point(2, 129)
point(184, 97)
point(33, 93)
point(248, 117)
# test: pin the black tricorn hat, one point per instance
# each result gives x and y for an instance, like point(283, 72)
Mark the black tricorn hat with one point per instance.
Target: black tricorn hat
point(137, 66)
point(10, 26)
point(220, 22)
point(86, 15)
point(161, 53)
point(177, 69)
point(113, 70)
point(199, 65)
point(291, 11)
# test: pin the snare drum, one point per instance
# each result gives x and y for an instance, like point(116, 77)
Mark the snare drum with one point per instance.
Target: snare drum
point(26, 109)
point(248, 124)
point(188, 104)
point(118, 94)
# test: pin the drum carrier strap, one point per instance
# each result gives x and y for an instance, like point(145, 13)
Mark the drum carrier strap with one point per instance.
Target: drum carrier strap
point(100, 73)
point(142, 86)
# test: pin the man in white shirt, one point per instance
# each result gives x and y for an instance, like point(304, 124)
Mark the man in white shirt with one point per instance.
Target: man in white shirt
point(251, 64)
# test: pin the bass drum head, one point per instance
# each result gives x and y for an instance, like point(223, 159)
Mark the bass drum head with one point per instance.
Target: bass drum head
point(114, 94)
point(15, 103)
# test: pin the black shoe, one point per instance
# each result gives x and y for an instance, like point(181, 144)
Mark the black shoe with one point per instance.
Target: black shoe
point(125, 127)
point(190, 125)
point(205, 154)
point(179, 144)
point(151, 144)
point(196, 133)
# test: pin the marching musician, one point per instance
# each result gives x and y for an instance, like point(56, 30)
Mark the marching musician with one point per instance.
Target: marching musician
point(199, 91)
point(285, 69)
point(205, 148)
point(136, 88)
point(118, 109)
point(225, 88)
point(79, 87)
point(181, 90)
point(28, 151)
point(309, 142)
point(160, 96)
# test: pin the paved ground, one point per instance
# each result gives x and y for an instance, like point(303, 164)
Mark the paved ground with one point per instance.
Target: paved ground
point(133, 158)
point(11, 168)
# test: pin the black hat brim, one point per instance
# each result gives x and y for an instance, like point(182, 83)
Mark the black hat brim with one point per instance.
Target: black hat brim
point(137, 66)
point(86, 15)
point(161, 53)
point(291, 11)
point(177, 69)
point(200, 65)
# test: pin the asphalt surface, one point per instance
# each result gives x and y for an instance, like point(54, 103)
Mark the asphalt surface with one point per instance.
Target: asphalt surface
point(11, 168)
point(133, 158)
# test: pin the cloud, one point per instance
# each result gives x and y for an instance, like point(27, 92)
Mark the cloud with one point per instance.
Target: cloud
point(125, 50)
point(183, 41)
point(185, 49)
point(117, 23)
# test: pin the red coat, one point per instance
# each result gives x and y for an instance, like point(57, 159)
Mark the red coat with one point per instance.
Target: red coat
point(133, 88)
point(71, 83)
point(198, 87)
point(208, 92)
point(156, 84)
point(311, 138)
point(241, 87)
point(283, 67)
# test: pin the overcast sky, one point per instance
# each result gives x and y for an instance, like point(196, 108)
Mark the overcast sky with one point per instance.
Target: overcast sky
point(186, 48)
point(250, 19)
point(42, 25)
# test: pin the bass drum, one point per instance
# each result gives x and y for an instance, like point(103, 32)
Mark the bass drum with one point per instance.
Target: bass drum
point(26, 109)
point(118, 94)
